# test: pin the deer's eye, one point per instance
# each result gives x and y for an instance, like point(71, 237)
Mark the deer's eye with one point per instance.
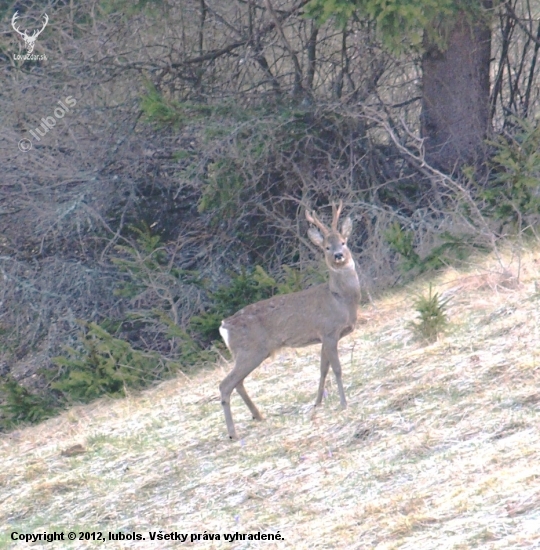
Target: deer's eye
point(327, 248)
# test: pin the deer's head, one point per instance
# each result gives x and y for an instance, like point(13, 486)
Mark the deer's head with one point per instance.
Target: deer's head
point(29, 40)
point(332, 241)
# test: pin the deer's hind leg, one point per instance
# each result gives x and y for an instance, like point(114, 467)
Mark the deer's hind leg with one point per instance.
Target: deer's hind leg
point(251, 406)
point(245, 364)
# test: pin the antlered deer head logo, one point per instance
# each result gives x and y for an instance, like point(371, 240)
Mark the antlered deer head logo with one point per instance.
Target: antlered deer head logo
point(29, 41)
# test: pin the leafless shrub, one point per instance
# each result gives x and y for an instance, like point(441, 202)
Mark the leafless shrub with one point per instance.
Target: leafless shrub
point(259, 104)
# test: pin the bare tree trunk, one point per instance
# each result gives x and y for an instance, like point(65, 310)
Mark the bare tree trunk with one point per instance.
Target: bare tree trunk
point(455, 105)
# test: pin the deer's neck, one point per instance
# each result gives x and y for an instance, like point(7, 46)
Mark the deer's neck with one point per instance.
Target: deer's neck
point(344, 283)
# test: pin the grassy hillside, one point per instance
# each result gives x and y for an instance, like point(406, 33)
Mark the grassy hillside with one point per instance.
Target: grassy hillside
point(439, 448)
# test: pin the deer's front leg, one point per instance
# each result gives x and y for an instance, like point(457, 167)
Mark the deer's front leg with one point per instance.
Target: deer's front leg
point(331, 351)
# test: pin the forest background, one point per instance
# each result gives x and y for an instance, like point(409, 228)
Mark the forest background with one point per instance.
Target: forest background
point(170, 190)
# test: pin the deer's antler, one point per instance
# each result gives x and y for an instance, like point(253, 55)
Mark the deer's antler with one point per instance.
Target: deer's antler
point(45, 21)
point(336, 212)
point(312, 218)
point(13, 19)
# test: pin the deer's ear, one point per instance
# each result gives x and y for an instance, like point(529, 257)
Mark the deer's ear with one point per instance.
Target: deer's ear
point(316, 237)
point(346, 228)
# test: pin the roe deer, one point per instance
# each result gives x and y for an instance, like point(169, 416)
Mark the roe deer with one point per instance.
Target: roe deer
point(321, 314)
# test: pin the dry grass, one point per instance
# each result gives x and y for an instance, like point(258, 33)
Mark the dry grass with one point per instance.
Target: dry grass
point(439, 447)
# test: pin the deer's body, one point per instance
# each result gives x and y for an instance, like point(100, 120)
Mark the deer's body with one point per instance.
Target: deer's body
point(274, 325)
point(321, 314)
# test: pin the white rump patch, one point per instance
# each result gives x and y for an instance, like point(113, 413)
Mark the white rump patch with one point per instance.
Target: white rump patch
point(224, 334)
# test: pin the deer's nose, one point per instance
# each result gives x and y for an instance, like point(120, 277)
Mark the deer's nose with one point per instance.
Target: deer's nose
point(338, 256)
